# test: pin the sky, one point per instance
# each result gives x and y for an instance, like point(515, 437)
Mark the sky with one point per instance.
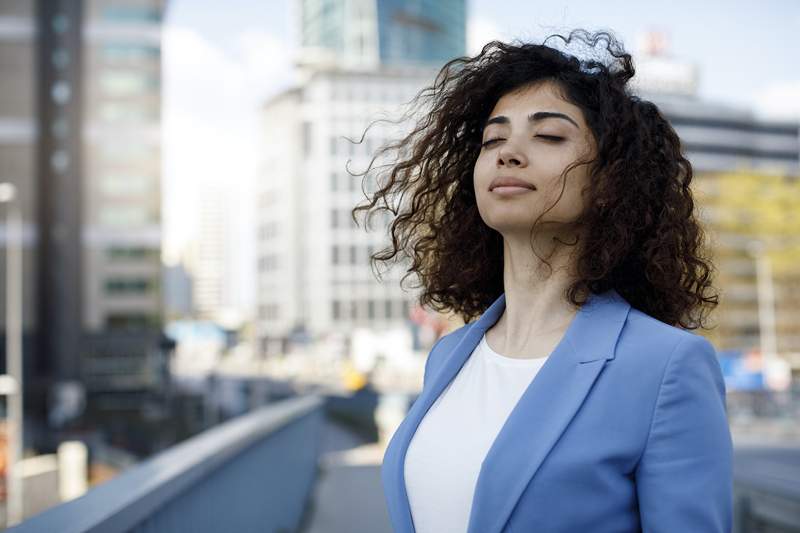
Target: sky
point(220, 65)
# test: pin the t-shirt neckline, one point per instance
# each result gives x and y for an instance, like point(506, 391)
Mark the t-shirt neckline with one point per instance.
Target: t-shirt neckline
point(500, 358)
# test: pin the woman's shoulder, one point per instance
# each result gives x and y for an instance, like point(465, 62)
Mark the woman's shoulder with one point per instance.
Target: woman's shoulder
point(644, 342)
point(640, 325)
point(648, 342)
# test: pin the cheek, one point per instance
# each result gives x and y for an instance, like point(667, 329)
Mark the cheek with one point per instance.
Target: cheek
point(481, 175)
point(481, 166)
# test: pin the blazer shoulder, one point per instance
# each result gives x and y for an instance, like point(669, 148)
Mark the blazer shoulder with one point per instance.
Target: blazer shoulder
point(640, 325)
point(649, 344)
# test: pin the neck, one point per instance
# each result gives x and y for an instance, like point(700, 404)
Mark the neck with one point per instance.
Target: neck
point(535, 303)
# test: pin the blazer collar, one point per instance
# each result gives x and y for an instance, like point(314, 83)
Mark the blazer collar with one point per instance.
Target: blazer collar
point(530, 431)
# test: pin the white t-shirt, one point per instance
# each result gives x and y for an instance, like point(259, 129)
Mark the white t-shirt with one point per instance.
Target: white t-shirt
point(445, 454)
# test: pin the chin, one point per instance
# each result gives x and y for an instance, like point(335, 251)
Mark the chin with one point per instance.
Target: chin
point(509, 224)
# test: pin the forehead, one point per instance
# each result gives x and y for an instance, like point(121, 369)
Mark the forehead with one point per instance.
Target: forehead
point(543, 96)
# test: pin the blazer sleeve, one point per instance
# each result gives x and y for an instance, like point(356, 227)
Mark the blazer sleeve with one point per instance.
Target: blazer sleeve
point(684, 478)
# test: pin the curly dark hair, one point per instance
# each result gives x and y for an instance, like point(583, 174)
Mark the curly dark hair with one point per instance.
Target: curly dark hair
point(641, 238)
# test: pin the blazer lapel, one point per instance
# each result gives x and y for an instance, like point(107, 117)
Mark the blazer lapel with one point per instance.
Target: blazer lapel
point(530, 431)
point(394, 458)
point(545, 409)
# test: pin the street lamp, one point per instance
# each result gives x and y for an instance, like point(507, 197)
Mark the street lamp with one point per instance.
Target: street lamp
point(766, 302)
point(13, 388)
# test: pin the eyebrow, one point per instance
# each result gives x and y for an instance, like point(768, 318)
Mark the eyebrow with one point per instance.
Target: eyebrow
point(540, 115)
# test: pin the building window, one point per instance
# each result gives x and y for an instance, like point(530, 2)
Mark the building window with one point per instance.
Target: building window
point(116, 153)
point(127, 14)
point(60, 23)
point(118, 52)
point(348, 215)
point(127, 112)
point(125, 215)
point(127, 83)
point(307, 138)
point(353, 254)
point(335, 255)
point(334, 185)
point(59, 161)
point(60, 92)
point(334, 218)
point(388, 309)
point(125, 185)
point(60, 58)
point(371, 309)
point(60, 127)
point(748, 330)
point(337, 309)
point(121, 253)
point(130, 321)
point(128, 285)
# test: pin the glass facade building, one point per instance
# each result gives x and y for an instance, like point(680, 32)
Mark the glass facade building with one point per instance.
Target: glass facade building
point(421, 31)
point(369, 33)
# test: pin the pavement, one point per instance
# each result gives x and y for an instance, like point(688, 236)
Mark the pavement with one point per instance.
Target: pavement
point(348, 496)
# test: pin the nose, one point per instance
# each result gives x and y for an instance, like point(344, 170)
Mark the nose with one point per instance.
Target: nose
point(509, 156)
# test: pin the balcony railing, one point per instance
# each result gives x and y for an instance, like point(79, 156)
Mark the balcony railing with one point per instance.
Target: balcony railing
point(253, 473)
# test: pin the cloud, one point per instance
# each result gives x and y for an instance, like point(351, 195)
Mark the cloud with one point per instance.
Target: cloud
point(210, 129)
point(779, 101)
point(266, 61)
point(186, 50)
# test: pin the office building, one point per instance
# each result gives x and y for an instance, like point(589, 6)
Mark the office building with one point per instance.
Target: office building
point(313, 268)
point(363, 34)
point(358, 59)
point(80, 131)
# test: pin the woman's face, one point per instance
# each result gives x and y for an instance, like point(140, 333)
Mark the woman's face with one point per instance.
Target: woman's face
point(532, 135)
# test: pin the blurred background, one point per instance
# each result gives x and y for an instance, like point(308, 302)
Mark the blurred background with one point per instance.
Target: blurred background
point(186, 298)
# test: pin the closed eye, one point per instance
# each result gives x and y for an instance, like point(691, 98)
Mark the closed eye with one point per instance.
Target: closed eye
point(490, 142)
point(551, 138)
point(548, 138)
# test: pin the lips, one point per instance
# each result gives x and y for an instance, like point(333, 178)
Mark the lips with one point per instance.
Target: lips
point(510, 182)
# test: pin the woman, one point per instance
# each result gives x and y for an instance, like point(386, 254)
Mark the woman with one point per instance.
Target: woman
point(548, 201)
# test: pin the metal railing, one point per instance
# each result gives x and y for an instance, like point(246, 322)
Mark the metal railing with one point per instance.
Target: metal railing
point(766, 490)
point(253, 473)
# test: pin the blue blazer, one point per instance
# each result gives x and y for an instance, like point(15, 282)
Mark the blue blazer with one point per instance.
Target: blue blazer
point(624, 429)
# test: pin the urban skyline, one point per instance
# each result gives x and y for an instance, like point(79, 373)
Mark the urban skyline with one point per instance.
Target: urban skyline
point(240, 58)
point(185, 178)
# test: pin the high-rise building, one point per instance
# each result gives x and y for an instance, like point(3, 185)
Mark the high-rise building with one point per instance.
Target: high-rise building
point(313, 268)
point(207, 256)
point(753, 218)
point(746, 174)
point(367, 33)
point(80, 136)
point(18, 148)
point(359, 58)
point(718, 137)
